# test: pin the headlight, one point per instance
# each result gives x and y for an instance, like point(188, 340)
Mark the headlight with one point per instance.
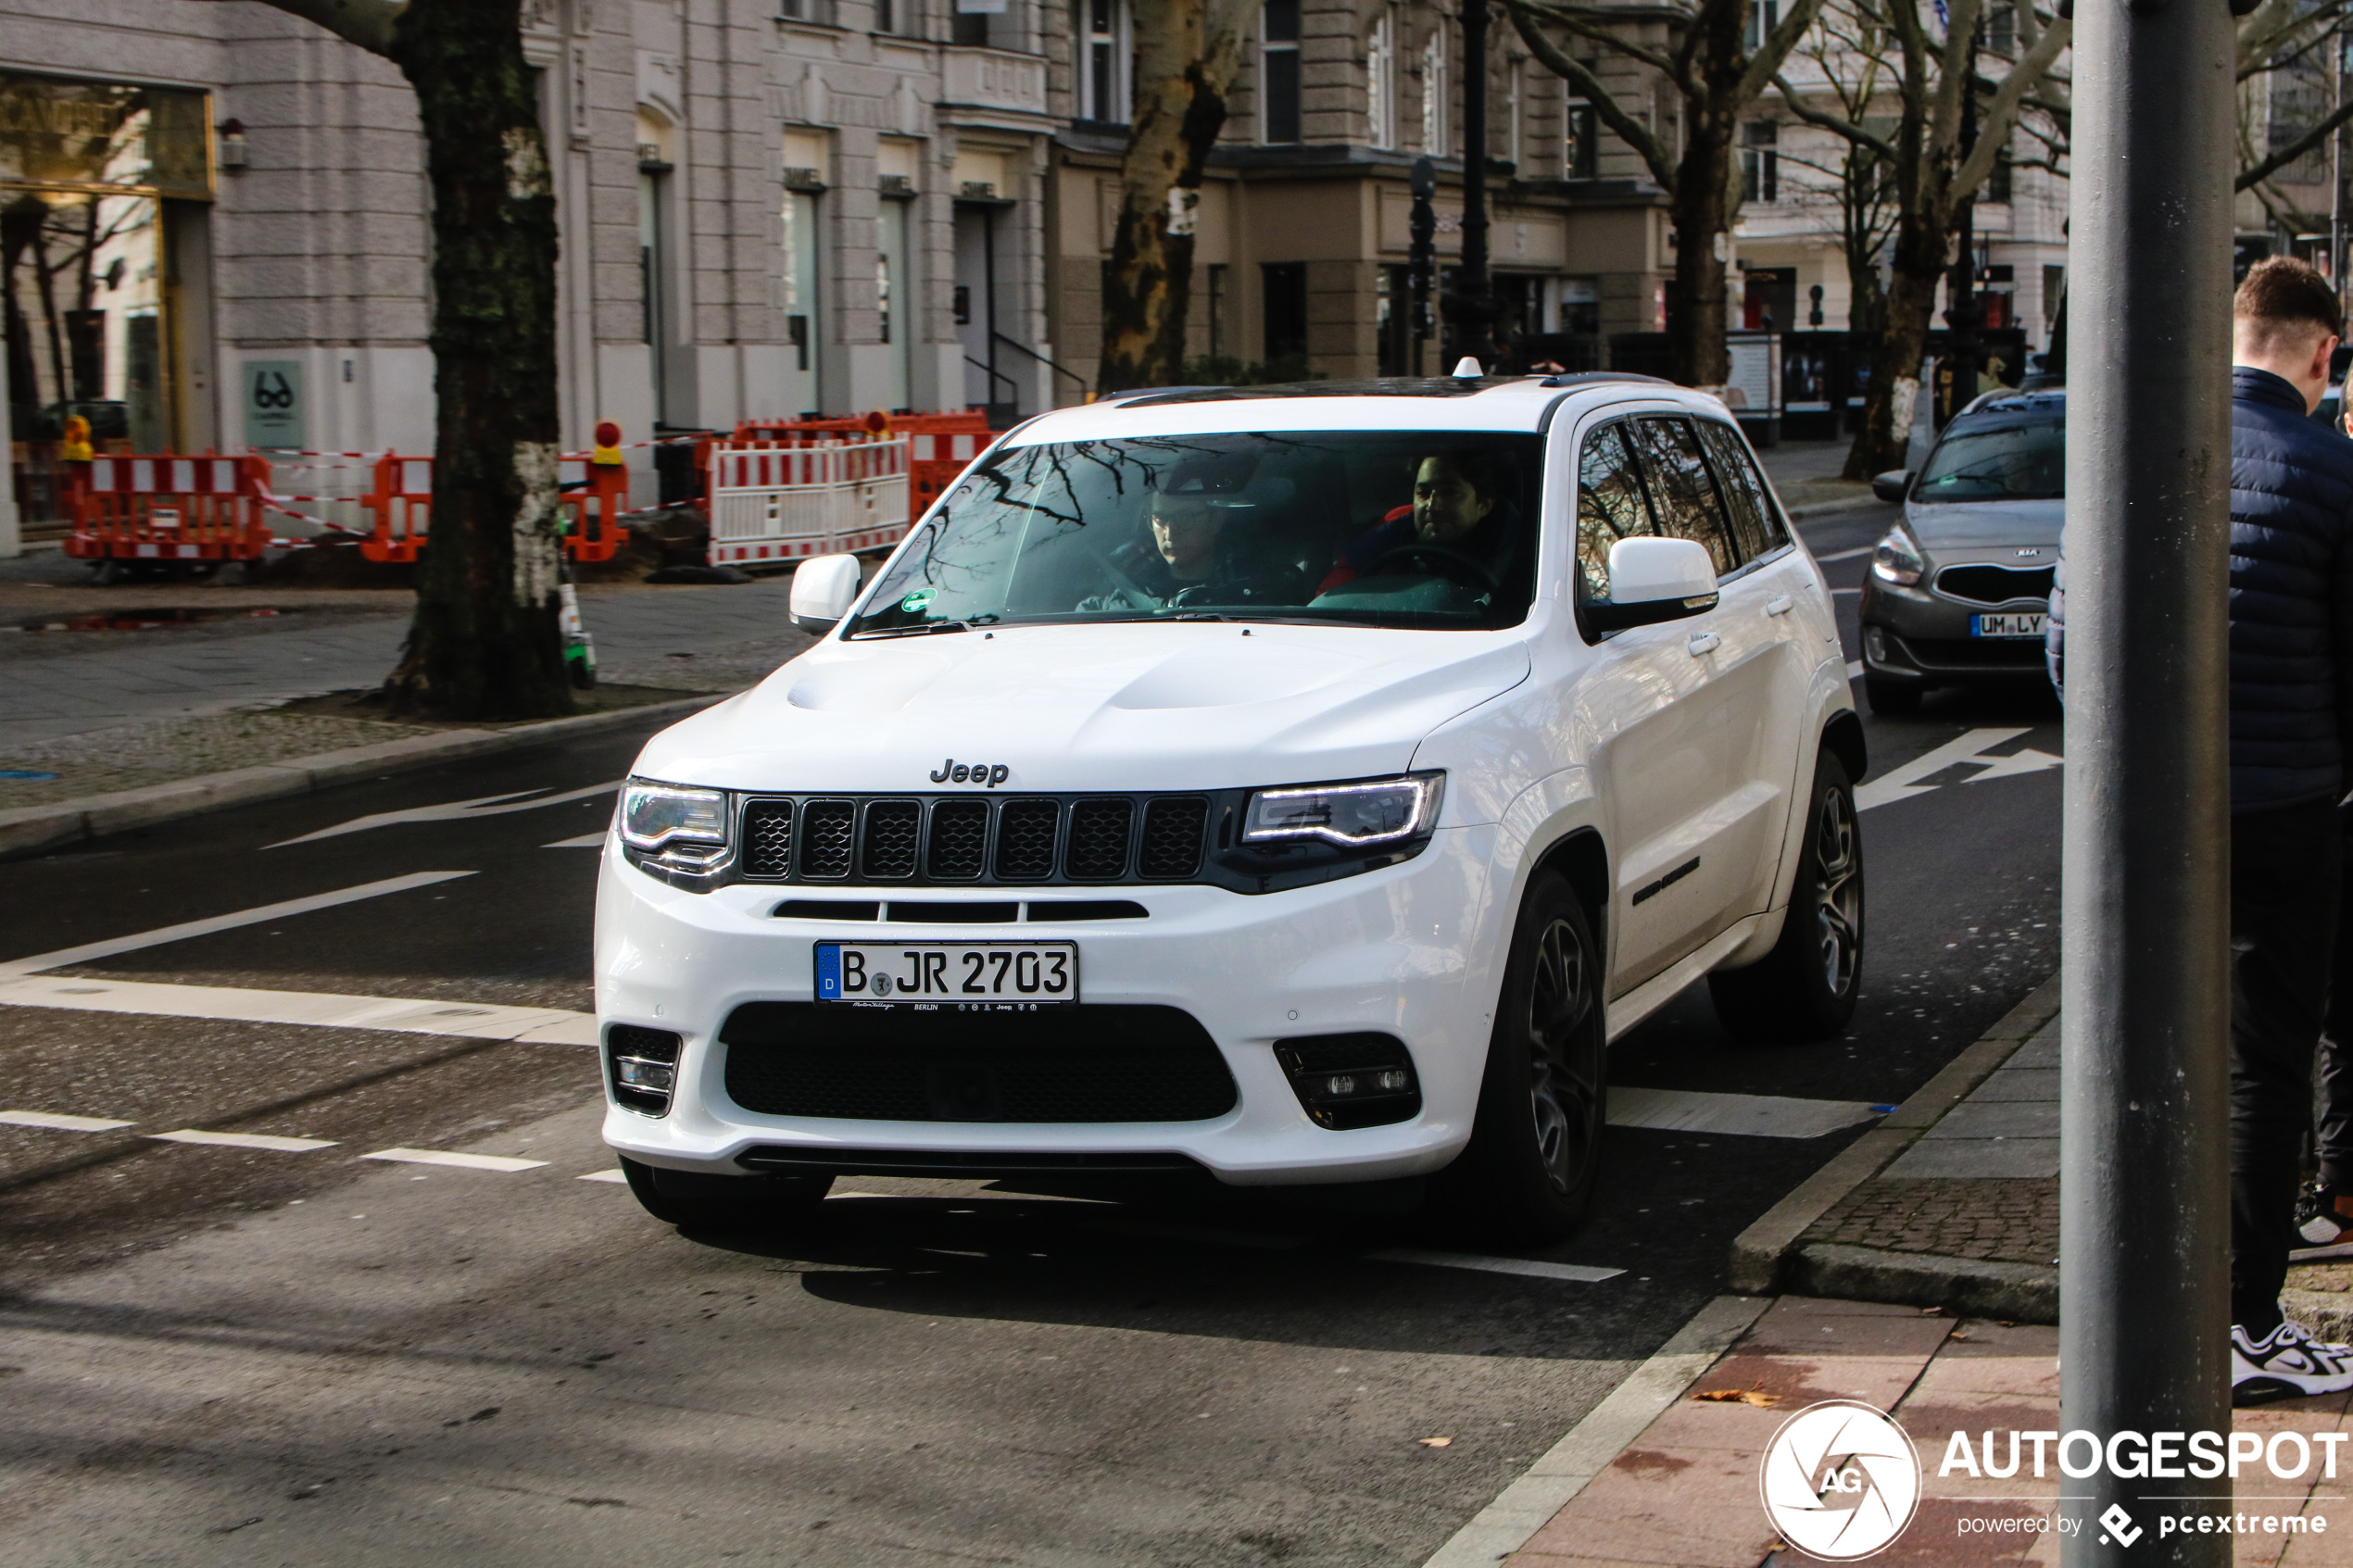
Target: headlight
point(1898, 558)
point(672, 819)
point(1354, 816)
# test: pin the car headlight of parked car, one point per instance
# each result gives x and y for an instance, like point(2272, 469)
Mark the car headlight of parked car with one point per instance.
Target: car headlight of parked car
point(674, 824)
point(1899, 558)
point(1354, 816)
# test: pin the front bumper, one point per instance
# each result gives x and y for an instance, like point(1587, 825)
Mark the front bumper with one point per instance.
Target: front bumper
point(1919, 635)
point(1408, 950)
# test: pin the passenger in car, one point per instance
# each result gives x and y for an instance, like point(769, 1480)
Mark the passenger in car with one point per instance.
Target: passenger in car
point(1463, 503)
point(1195, 553)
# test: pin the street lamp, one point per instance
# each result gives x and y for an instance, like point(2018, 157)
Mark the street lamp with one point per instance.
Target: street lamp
point(1470, 304)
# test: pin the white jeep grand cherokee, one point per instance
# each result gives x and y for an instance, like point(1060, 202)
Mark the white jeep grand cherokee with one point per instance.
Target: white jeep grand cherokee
point(1298, 784)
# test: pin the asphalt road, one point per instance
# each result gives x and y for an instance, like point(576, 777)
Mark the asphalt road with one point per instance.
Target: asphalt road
point(215, 1353)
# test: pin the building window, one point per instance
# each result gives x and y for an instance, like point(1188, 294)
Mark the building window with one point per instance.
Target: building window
point(1434, 96)
point(1764, 16)
point(1997, 184)
point(1217, 308)
point(1580, 156)
point(818, 11)
point(1760, 161)
point(2001, 31)
point(2054, 292)
point(1278, 73)
point(1380, 83)
point(1105, 46)
point(1286, 312)
point(1511, 114)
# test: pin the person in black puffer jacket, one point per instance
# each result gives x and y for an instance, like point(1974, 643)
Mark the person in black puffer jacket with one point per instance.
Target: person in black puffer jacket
point(2291, 715)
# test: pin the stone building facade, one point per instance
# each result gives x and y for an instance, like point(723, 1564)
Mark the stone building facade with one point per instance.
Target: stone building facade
point(218, 232)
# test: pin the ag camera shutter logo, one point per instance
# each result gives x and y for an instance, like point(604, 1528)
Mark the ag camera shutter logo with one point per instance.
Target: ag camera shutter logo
point(1840, 1480)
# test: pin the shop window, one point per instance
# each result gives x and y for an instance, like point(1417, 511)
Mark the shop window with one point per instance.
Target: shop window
point(1286, 309)
point(1278, 73)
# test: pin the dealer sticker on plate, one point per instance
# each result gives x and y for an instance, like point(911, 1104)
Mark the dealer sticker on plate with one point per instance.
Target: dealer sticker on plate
point(2013, 625)
point(995, 976)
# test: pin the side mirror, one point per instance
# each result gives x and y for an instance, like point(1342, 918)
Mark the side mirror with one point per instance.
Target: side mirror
point(1655, 580)
point(1892, 485)
point(823, 587)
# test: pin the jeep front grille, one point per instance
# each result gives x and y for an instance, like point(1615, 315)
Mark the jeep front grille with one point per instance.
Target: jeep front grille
point(975, 838)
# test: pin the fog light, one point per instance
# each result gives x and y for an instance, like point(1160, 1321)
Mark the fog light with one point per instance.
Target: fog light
point(1875, 643)
point(1348, 1081)
point(645, 1067)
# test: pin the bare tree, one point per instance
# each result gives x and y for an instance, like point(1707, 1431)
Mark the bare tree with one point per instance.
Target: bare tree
point(1845, 47)
point(486, 641)
point(1934, 176)
point(1718, 70)
point(1187, 52)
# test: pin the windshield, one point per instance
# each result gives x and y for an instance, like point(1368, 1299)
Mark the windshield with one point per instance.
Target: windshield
point(2017, 462)
point(1391, 528)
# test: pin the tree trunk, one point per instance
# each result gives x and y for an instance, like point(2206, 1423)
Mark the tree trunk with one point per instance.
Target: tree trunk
point(1702, 210)
point(1141, 287)
point(1895, 389)
point(485, 643)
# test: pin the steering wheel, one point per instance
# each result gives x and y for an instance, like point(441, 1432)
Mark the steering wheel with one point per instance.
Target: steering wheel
point(1470, 565)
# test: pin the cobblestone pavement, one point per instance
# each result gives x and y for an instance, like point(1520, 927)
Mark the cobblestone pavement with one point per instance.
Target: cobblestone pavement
point(2012, 1221)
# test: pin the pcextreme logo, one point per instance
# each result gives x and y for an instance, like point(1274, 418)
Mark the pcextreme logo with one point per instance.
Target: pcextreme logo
point(1840, 1480)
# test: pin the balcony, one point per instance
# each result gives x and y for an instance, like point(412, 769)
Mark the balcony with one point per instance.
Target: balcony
point(988, 87)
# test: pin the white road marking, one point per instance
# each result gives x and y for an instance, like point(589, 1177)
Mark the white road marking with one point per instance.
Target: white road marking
point(1843, 592)
point(406, 1015)
point(245, 1140)
point(90, 952)
point(1763, 1116)
point(462, 1162)
point(1844, 555)
point(585, 841)
point(61, 1122)
point(612, 1175)
point(1854, 669)
point(1903, 783)
point(455, 810)
point(1581, 1273)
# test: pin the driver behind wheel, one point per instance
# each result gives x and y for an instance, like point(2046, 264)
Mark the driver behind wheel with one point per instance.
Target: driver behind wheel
point(1462, 504)
point(1192, 554)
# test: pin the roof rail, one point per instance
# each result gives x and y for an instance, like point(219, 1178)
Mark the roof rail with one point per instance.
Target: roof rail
point(1586, 377)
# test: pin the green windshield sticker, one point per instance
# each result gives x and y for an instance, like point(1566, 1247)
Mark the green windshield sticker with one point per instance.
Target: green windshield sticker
point(914, 603)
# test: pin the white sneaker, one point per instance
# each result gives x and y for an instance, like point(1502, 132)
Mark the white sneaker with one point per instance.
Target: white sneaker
point(2286, 1363)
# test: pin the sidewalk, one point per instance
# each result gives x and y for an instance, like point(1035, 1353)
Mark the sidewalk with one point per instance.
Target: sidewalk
point(107, 711)
point(1685, 1490)
point(1806, 476)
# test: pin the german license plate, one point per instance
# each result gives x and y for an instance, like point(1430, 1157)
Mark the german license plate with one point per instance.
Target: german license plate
point(994, 976)
point(2016, 625)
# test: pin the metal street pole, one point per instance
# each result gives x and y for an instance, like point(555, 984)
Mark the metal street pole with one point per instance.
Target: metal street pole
point(1960, 321)
point(2336, 181)
point(1470, 304)
point(2143, 1246)
point(1421, 256)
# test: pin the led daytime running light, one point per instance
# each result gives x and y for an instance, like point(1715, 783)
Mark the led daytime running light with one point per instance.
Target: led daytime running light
point(1353, 816)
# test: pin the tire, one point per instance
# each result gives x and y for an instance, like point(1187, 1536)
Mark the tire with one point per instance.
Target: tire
point(1892, 699)
point(1804, 988)
point(1528, 1172)
point(694, 1201)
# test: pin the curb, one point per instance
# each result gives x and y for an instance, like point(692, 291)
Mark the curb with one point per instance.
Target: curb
point(1972, 1287)
point(31, 828)
point(1764, 1260)
point(1545, 1488)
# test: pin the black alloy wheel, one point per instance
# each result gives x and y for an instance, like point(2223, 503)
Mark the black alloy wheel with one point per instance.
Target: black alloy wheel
point(1804, 988)
point(692, 1200)
point(1534, 1155)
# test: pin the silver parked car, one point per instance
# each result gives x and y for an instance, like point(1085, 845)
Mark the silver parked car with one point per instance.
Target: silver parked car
point(1959, 589)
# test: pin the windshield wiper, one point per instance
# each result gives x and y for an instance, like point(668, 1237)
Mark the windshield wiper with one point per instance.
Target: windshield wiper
point(927, 628)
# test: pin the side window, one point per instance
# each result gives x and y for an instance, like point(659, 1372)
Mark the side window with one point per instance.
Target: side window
point(1610, 507)
point(1685, 495)
point(1757, 528)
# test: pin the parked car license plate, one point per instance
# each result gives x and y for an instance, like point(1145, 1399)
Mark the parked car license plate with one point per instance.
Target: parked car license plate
point(989, 974)
point(2028, 626)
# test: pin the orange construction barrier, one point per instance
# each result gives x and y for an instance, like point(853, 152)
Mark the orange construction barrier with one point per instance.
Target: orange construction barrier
point(168, 507)
point(940, 445)
point(401, 501)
